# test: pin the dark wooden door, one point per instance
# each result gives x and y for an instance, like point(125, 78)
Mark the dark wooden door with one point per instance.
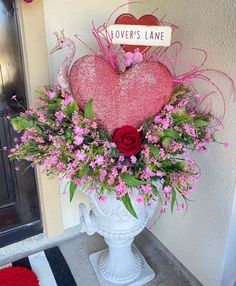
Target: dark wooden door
point(19, 207)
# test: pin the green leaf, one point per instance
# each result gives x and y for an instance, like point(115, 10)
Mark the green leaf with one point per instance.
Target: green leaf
point(180, 165)
point(68, 134)
point(88, 111)
point(155, 190)
point(166, 163)
point(131, 181)
point(83, 171)
point(21, 124)
point(154, 151)
point(73, 188)
point(172, 134)
point(166, 142)
point(71, 108)
point(128, 204)
point(13, 157)
point(182, 118)
point(159, 133)
point(104, 135)
point(201, 123)
point(114, 153)
point(173, 199)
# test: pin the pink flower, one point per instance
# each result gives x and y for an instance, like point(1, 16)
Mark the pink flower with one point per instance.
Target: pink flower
point(169, 107)
point(59, 117)
point(159, 174)
point(111, 181)
point(121, 189)
point(103, 174)
point(78, 130)
point(149, 228)
point(133, 159)
point(124, 169)
point(52, 94)
point(189, 130)
point(191, 190)
point(77, 181)
point(102, 198)
point(67, 100)
point(140, 199)
point(167, 199)
point(14, 97)
point(197, 98)
point(226, 144)
point(78, 140)
point(5, 148)
point(121, 158)
point(167, 189)
point(195, 178)
point(203, 151)
point(114, 172)
point(162, 153)
point(99, 160)
point(147, 189)
point(166, 123)
point(147, 173)
point(163, 209)
point(80, 155)
point(90, 190)
point(133, 58)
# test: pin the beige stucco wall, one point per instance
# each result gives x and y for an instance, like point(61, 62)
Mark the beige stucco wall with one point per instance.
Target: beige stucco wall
point(201, 237)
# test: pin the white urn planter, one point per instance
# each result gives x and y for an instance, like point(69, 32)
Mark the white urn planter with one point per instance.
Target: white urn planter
point(121, 263)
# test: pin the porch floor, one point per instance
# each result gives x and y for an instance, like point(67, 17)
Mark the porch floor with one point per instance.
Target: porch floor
point(77, 250)
point(77, 247)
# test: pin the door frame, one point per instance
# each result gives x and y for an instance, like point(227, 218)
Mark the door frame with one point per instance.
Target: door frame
point(31, 23)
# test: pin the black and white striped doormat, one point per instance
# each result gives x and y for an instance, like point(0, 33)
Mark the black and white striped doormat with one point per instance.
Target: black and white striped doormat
point(50, 266)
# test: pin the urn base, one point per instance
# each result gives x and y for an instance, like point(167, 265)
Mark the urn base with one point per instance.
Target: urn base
point(146, 275)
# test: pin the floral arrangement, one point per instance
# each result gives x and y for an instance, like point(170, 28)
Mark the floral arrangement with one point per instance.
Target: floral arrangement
point(68, 142)
point(150, 163)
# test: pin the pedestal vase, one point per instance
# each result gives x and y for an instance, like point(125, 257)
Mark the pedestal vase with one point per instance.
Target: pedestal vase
point(121, 263)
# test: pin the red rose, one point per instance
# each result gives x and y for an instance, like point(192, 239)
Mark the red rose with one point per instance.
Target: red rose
point(128, 140)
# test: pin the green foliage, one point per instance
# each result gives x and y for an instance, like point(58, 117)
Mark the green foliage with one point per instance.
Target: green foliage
point(173, 199)
point(131, 181)
point(154, 151)
point(73, 188)
point(103, 135)
point(128, 204)
point(166, 142)
point(201, 122)
point(172, 134)
point(21, 124)
point(71, 108)
point(115, 153)
point(83, 171)
point(182, 118)
point(88, 111)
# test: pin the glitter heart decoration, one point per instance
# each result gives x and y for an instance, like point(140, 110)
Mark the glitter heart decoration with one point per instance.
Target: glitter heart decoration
point(126, 99)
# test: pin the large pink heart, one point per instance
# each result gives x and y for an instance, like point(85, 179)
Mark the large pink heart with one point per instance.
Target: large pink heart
point(126, 99)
